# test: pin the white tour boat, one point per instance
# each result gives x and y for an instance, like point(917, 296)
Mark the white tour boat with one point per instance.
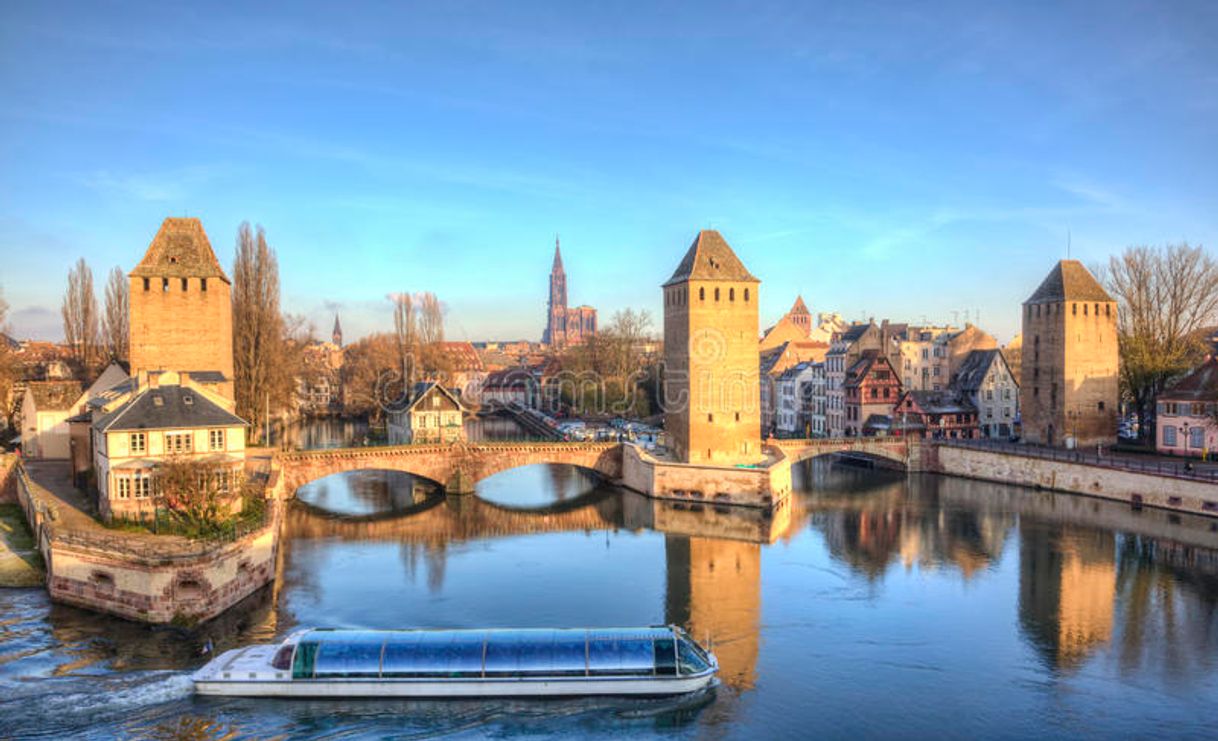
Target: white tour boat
point(661, 660)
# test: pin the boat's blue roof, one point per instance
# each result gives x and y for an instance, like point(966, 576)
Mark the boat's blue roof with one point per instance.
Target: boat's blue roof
point(522, 635)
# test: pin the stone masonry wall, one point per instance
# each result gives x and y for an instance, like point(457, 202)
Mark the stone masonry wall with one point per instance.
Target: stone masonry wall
point(182, 329)
point(1123, 486)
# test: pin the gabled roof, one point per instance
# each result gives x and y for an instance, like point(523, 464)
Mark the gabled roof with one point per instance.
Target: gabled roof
point(800, 307)
point(855, 331)
point(939, 402)
point(180, 249)
point(1201, 384)
point(167, 407)
point(710, 258)
point(425, 389)
point(857, 372)
point(462, 356)
point(1069, 281)
point(975, 367)
point(54, 396)
point(770, 357)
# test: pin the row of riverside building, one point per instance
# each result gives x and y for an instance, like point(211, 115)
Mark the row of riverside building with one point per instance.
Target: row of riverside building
point(834, 379)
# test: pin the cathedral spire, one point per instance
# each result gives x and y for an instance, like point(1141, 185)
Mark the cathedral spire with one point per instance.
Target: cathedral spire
point(337, 335)
point(557, 268)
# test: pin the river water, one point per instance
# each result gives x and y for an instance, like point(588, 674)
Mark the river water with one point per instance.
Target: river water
point(874, 606)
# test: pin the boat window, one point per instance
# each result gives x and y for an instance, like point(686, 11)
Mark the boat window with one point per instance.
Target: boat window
point(666, 656)
point(348, 659)
point(611, 655)
point(283, 657)
point(522, 653)
point(693, 661)
point(457, 654)
point(302, 665)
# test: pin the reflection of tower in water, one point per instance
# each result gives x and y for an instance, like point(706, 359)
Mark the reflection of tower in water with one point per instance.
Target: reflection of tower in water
point(1067, 590)
point(714, 590)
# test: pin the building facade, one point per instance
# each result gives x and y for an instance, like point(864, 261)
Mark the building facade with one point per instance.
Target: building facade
point(943, 415)
point(711, 379)
point(162, 416)
point(1069, 389)
point(872, 387)
point(45, 409)
point(844, 352)
point(1185, 414)
point(989, 384)
point(434, 415)
point(181, 306)
point(793, 386)
point(565, 326)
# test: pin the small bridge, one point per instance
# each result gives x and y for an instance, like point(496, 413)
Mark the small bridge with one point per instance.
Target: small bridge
point(902, 451)
point(456, 466)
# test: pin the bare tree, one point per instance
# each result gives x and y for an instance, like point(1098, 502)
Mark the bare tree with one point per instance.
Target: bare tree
point(1166, 296)
point(431, 336)
point(264, 361)
point(116, 321)
point(406, 337)
point(81, 330)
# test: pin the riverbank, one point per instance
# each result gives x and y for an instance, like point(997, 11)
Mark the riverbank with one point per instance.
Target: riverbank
point(20, 563)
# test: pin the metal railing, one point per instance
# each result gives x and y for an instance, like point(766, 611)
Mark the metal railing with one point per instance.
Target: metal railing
point(1134, 463)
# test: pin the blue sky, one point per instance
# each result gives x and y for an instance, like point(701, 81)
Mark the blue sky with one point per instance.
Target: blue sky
point(905, 160)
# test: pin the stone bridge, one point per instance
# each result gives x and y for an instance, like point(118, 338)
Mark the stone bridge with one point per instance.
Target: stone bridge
point(457, 466)
point(904, 452)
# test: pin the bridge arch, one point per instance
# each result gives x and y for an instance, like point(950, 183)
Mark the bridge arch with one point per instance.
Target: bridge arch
point(890, 451)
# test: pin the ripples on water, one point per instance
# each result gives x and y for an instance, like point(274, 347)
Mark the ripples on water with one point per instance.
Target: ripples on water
point(875, 606)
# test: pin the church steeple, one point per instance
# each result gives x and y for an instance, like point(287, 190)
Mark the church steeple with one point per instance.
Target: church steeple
point(557, 267)
point(337, 335)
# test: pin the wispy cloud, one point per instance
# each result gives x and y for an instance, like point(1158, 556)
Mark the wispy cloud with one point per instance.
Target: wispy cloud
point(168, 185)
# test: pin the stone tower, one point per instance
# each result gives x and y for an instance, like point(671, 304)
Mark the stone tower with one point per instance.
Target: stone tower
point(712, 392)
point(181, 306)
point(556, 321)
point(337, 334)
point(800, 316)
point(1069, 376)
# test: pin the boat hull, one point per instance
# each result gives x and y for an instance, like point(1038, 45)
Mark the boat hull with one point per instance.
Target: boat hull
point(432, 688)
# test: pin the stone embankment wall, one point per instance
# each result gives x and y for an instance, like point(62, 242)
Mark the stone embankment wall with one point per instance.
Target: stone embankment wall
point(149, 578)
point(1182, 495)
point(751, 487)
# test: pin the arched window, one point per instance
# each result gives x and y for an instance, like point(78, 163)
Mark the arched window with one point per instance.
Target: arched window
point(731, 294)
point(701, 294)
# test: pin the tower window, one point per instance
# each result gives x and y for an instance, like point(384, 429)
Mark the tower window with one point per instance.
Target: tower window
point(1097, 309)
point(731, 294)
point(1084, 309)
point(716, 294)
point(145, 284)
point(164, 285)
point(184, 284)
point(203, 284)
point(710, 417)
point(1074, 309)
point(701, 294)
point(746, 295)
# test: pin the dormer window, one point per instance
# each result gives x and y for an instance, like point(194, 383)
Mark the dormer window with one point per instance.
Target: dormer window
point(158, 400)
point(173, 260)
point(188, 400)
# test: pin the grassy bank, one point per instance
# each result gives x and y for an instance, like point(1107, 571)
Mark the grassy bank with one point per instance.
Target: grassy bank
point(20, 563)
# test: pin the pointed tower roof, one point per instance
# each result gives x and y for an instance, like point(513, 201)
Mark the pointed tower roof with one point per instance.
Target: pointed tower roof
point(338, 328)
point(710, 258)
point(557, 267)
point(800, 307)
point(180, 249)
point(1069, 281)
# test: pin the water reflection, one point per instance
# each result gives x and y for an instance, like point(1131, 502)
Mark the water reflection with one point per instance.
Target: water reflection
point(868, 591)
